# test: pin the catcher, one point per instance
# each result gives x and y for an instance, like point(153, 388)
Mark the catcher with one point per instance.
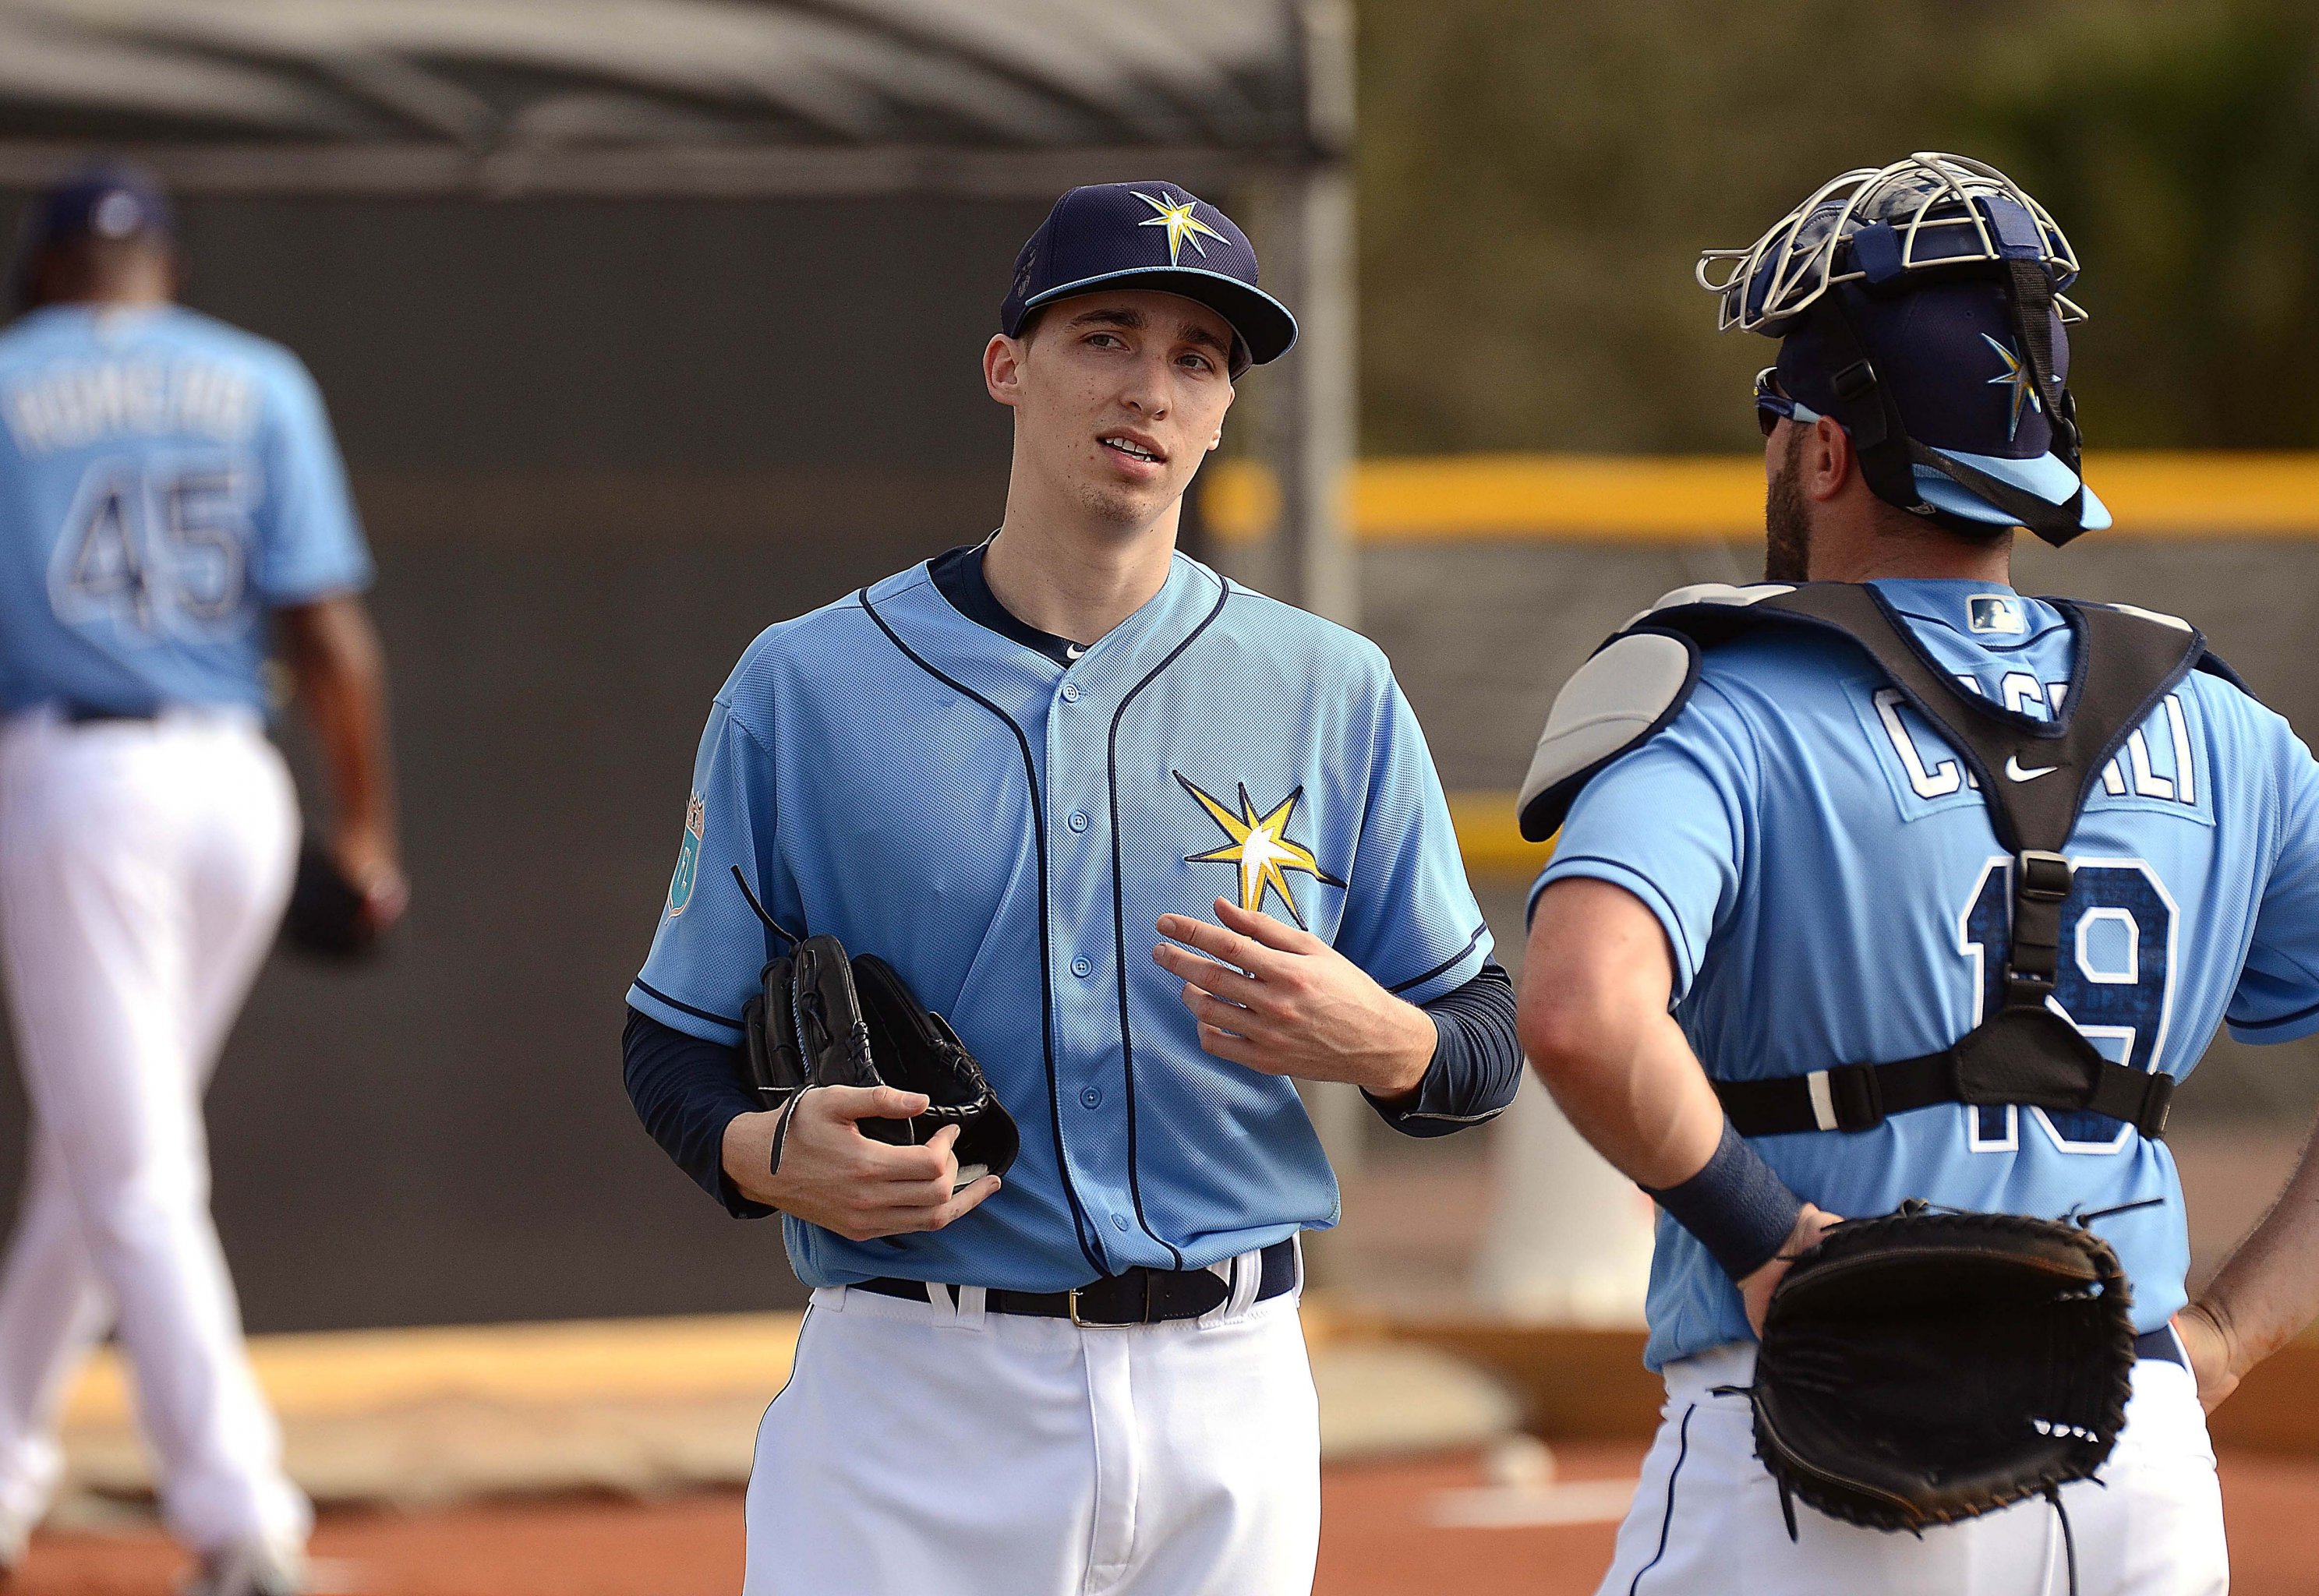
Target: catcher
point(1881, 881)
point(1053, 1345)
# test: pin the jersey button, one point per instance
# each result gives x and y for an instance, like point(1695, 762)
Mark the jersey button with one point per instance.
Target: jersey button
point(1092, 1097)
point(1075, 820)
point(1119, 1222)
point(1070, 692)
point(1082, 969)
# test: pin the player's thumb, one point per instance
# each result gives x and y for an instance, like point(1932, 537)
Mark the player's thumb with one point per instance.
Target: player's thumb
point(878, 1103)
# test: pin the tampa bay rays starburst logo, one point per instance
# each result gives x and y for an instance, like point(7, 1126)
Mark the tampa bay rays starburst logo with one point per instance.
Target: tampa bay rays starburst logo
point(2016, 376)
point(1259, 847)
point(1175, 216)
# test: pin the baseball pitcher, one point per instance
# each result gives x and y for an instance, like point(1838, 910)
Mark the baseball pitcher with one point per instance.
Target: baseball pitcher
point(984, 787)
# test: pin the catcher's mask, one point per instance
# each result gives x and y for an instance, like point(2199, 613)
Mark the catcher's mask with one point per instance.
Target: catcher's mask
point(1921, 306)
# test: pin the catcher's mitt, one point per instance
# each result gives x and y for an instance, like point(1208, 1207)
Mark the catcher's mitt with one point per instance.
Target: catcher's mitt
point(1922, 1367)
point(825, 1019)
point(328, 914)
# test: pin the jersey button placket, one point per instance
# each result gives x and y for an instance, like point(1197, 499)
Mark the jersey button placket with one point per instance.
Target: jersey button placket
point(1077, 781)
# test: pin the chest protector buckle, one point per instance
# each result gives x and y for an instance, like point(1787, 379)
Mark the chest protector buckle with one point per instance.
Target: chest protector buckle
point(2126, 661)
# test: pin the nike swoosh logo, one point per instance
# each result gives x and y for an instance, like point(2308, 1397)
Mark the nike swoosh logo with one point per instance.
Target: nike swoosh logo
point(1075, 649)
point(2014, 772)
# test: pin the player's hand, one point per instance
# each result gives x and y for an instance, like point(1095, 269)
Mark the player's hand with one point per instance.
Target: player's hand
point(370, 861)
point(2213, 1361)
point(835, 1176)
point(1756, 1291)
point(1280, 1000)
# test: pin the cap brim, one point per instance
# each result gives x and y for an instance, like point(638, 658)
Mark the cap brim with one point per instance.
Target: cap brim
point(1262, 322)
point(2044, 475)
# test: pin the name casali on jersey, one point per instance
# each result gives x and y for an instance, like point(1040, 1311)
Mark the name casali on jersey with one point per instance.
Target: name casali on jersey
point(1932, 772)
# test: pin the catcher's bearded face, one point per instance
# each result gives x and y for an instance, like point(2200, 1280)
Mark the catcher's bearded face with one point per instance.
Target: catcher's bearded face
point(1117, 397)
point(1787, 518)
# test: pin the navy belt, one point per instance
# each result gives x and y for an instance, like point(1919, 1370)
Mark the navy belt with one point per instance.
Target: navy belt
point(96, 715)
point(2161, 1344)
point(1136, 1295)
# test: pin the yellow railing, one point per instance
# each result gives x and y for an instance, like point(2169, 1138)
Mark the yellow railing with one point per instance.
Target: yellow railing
point(1487, 835)
point(1681, 498)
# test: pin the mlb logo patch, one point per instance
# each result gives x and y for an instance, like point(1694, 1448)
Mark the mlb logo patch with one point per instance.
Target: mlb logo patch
point(1995, 612)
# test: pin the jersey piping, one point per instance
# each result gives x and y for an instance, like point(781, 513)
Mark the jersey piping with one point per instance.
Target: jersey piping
point(699, 1013)
point(1119, 915)
point(1451, 962)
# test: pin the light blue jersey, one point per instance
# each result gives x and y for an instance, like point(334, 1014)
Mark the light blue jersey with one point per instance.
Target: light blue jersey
point(165, 481)
point(1006, 831)
point(1833, 893)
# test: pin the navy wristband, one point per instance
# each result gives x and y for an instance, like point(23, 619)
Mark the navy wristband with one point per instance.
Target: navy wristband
point(1738, 1208)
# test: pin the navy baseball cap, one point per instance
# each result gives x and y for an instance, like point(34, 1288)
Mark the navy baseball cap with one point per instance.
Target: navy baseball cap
point(1947, 353)
point(1156, 236)
point(103, 202)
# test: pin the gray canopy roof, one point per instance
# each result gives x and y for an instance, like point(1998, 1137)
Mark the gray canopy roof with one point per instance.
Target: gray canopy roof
point(626, 96)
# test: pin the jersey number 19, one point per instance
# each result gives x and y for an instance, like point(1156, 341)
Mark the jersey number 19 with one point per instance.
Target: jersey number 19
point(2115, 985)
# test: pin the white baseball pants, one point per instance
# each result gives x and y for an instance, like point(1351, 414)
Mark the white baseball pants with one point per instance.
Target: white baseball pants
point(143, 870)
point(1706, 1516)
point(973, 1454)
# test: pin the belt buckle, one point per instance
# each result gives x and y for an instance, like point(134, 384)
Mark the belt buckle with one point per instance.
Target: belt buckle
point(1071, 1299)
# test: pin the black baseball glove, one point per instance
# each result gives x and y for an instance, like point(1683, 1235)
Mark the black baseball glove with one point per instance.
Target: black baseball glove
point(823, 1020)
point(1924, 1368)
point(327, 917)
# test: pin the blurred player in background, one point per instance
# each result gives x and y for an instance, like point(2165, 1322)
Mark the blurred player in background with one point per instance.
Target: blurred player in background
point(169, 490)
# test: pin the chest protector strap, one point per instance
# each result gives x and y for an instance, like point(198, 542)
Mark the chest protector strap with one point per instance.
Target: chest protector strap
point(2035, 776)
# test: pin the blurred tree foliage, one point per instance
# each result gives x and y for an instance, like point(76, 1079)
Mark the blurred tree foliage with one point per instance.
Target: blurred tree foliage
point(1536, 180)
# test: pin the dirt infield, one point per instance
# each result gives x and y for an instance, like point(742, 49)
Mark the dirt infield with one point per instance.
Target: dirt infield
point(1382, 1536)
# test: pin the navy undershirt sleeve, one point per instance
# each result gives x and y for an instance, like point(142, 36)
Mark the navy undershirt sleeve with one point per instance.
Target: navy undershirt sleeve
point(1477, 1061)
point(686, 1091)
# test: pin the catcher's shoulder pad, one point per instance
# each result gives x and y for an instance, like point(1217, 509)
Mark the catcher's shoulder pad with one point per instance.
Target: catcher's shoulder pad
point(1635, 683)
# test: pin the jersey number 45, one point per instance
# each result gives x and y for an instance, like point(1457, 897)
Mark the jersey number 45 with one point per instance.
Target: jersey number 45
point(157, 545)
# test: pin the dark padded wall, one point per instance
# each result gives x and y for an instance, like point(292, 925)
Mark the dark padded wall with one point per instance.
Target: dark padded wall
point(598, 446)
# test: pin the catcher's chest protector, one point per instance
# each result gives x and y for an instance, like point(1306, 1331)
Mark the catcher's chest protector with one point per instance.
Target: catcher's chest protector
point(2034, 775)
point(1920, 1369)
